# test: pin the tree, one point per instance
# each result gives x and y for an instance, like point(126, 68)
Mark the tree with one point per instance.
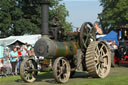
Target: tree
point(19, 17)
point(114, 14)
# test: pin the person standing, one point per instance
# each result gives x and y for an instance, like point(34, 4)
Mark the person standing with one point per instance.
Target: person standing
point(7, 63)
point(24, 52)
point(31, 52)
point(13, 59)
point(20, 59)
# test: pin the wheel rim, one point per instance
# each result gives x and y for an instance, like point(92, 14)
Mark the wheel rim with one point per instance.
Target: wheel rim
point(28, 71)
point(61, 70)
point(101, 59)
point(87, 34)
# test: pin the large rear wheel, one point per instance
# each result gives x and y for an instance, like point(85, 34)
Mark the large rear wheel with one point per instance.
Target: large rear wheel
point(98, 59)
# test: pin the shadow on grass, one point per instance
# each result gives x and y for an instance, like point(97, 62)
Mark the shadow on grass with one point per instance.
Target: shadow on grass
point(123, 65)
point(40, 76)
point(81, 75)
point(48, 77)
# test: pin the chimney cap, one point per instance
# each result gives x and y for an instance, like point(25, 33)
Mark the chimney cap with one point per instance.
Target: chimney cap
point(45, 2)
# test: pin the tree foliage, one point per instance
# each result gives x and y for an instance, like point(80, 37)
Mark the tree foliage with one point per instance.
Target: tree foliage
point(114, 14)
point(19, 17)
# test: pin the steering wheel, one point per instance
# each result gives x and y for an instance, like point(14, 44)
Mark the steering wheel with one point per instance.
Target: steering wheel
point(87, 34)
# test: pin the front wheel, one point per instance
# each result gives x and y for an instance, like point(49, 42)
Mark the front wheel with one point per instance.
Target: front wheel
point(28, 70)
point(61, 70)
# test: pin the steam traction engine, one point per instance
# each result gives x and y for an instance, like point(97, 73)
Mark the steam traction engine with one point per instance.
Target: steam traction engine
point(73, 51)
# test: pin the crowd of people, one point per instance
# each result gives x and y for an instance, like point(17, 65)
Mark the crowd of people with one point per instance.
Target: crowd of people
point(10, 63)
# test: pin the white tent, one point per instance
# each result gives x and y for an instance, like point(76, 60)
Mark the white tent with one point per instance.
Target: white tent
point(30, 39)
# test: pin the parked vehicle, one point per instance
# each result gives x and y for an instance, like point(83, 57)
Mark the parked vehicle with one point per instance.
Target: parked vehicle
point(121, 54)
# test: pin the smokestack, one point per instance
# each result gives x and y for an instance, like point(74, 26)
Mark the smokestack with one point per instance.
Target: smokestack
point(44, 19)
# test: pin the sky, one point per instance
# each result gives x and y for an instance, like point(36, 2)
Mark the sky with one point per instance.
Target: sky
point(81, 11)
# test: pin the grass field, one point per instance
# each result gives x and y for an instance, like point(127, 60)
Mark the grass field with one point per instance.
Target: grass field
point(117, 76)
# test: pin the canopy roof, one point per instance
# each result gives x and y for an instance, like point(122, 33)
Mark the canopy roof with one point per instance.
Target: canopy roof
point(111, 36)
point(30, 39)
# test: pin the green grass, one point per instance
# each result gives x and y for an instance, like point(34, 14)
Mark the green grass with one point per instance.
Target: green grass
point(120, 80)
point(9, 79)
point(117, 76)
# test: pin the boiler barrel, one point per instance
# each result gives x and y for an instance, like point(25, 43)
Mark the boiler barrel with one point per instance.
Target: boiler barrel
point(47, 47)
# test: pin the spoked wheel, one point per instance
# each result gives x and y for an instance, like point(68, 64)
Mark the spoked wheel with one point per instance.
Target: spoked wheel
point(98, 59)
point(87, 34)
point(28, 70)
point(61, 70)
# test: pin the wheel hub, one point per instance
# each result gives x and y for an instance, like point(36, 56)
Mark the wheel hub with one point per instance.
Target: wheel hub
point(101, 59)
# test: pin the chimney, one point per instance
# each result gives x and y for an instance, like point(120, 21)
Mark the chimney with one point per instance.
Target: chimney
point(44, 17)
